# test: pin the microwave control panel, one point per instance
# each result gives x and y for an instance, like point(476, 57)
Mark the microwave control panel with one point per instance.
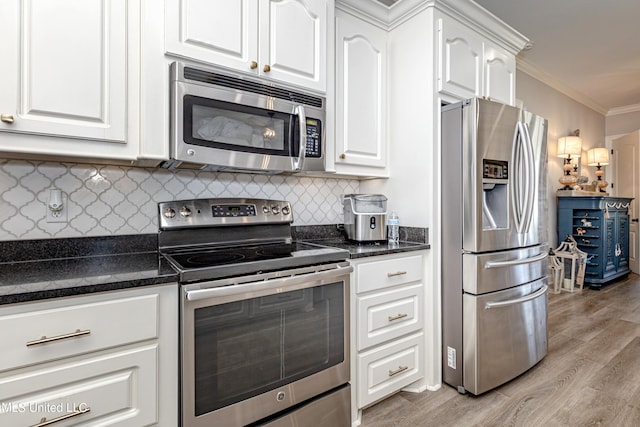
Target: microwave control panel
point(314, 136)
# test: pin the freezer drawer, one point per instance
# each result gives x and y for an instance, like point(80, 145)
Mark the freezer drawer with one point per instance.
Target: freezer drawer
point(504, 334)
point(495, 271)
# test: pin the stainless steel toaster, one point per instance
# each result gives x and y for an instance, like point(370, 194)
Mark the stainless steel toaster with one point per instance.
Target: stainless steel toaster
point(365, 217)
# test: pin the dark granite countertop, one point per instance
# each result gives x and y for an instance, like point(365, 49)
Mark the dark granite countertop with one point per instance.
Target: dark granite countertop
point(411, 239)
point(361, 250)
point(29, 271)
point(40, 269)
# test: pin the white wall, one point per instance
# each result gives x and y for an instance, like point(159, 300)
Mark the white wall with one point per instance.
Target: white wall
point(564, 115)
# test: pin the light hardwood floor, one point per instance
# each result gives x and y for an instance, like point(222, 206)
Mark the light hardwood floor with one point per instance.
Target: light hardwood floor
point(590, 377)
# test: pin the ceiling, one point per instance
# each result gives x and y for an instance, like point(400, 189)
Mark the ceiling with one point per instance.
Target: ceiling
point(588, 49)
point(590, 46)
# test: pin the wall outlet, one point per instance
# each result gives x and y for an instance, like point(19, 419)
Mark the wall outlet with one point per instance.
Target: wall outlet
point(56, 209)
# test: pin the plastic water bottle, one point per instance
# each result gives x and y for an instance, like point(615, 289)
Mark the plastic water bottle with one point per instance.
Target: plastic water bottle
point(393, 227)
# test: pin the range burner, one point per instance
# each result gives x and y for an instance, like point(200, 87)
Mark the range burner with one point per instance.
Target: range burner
point(208, 239)
point(203, 264)
point(207, 259)
point(214, 257)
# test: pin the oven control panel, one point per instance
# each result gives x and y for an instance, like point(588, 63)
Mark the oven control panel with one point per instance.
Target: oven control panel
point(220, 212)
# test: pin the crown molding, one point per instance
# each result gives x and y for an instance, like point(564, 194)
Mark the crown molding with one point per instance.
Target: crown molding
point(549, 80)
point(385, 17)
point(624, 110)
point(466, 11)
point(485, 23)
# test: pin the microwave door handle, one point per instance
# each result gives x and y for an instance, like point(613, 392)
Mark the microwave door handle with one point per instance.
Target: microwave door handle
point(302, 119)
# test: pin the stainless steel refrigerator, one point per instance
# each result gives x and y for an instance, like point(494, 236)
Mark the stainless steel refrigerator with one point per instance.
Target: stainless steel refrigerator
point(494, 259)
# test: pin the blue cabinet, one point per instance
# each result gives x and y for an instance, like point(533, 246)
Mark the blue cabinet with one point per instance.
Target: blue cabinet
point(600, 226)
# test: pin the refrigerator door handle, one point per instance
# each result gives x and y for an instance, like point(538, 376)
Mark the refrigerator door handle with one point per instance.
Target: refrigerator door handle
point(536, 294)
point(515, 185)
point(497, 264)
point(524, 183)
point(531, 176)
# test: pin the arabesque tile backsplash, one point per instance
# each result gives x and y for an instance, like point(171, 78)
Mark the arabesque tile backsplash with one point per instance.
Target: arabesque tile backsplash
point(116, 200)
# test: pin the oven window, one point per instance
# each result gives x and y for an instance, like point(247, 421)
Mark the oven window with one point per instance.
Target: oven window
point(243, 349)
point(230, 126)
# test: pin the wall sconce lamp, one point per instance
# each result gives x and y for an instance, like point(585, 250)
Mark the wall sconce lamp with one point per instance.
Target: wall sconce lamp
point(569, 146)
point(599, 157)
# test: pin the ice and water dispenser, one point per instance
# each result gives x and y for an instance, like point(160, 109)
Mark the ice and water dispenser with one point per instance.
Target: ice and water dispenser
point(495, 194)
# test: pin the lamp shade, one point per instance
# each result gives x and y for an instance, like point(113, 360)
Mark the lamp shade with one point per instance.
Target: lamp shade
point(569, 146)
point(598, 156)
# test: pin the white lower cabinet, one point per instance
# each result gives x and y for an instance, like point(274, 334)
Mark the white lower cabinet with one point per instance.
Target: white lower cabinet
point(118, 388)
point(387, 327)
point(104, 359)
point(387, 369)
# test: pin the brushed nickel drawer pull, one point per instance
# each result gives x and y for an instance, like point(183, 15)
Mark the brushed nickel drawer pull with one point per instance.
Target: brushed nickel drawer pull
point(399, 316)
point(397, 371)
point(45, 340)
point(398, 273)
point(44, 422)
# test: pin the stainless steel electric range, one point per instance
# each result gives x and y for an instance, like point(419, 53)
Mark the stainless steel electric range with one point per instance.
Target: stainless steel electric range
point(264, 324)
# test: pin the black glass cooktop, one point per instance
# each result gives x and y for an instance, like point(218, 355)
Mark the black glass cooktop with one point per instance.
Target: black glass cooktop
point(212, 263)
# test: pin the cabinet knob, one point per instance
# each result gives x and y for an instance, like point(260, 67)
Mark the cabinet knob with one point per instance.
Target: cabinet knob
point(266, 68)
point(6, 118)
point(253, 65)
point(343, 156)
point(634, 220)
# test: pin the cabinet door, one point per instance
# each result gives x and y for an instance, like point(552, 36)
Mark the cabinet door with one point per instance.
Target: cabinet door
point(110, 389)
point(460, 60)
point(293, 41)
point(361, 59)
point(611, 262)
point(224, 32)
point(499, 75)
point(622, 240)
point(64, 69)
point(384, 316)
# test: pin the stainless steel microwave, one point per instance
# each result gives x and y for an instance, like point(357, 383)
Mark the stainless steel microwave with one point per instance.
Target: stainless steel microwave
point(221, 121)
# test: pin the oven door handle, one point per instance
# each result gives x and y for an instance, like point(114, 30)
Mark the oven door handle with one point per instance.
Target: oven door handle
point(276, 285)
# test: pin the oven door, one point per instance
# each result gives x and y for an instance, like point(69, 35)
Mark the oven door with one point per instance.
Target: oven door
point(252, 349)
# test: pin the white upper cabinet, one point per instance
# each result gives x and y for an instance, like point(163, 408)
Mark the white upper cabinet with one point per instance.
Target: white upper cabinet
point(284, 40)
point(499, 74)
point(460, 71)
point(224, 32)
point(361, 105)
point(469, 65)
point(64, 69)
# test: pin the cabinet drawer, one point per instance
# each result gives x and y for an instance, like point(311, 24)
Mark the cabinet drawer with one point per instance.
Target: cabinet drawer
point(116, 388)
point(388, 272)
point(389, 314)
point(49, 331)
point(389, 368)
